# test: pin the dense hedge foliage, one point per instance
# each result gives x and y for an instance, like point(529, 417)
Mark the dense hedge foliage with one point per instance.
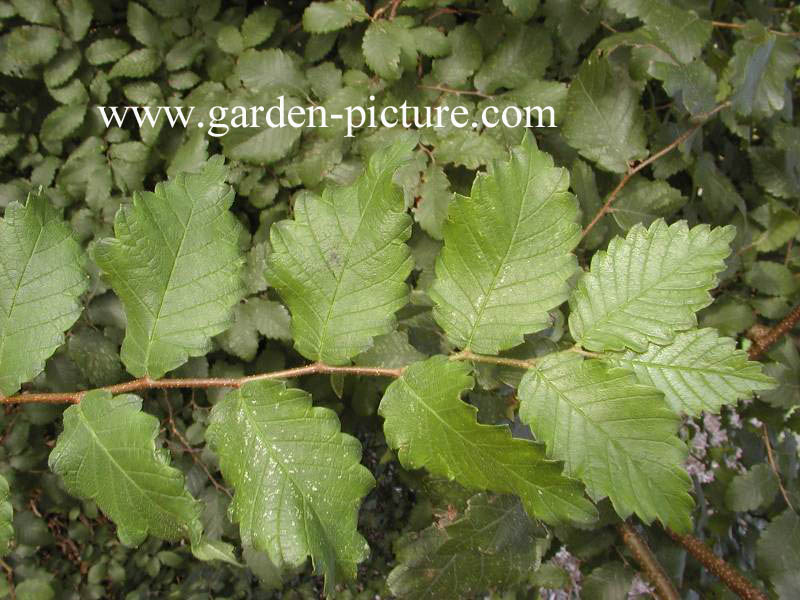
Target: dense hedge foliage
point(592, 289)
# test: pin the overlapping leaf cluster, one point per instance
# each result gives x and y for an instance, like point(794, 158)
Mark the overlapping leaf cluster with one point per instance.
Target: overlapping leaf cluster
point(556, 373)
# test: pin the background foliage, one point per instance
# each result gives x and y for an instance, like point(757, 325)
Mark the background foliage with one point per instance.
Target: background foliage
point(626, 77)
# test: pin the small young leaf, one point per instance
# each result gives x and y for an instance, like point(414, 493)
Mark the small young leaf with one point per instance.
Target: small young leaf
point(430, 426)
point(41, 280)
point(647, 286)
point(340, 265)
point(297, 477)
point(107, 453)
point(507, 253)
point(618, 436)
point(176, 265)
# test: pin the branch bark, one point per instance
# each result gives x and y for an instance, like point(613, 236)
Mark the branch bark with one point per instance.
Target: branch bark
point(648, 562)
point(763, 344)
point(732, 578)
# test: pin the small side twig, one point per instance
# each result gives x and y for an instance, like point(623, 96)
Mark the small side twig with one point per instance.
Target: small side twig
point(493, 360)
point(763, 343)
point(648, 562)
point(606, 208)
point(774, 466)
point(731, 577)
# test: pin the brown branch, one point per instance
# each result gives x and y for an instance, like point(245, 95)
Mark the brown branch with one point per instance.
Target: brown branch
point(648, 562)
point(493, 360)
point(724, 25)
point(774, 466)
point(732, 578)
point(763, 343)
point(651, 159)
point(449, 90)
point(146, 383)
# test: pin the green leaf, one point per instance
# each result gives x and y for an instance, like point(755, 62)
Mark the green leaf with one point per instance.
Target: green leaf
point(616, 435)
point(384, 44)
point(758, 71)
point(494, 544)
point(143, 26)
point(323, 17)
point(176, 265)
point(429, 426)
point(465, 58)
point(6, 514)
point(62, 122)
point(106, 50)
point(77, 17)
point(434, 198)
point(26, 47)
point(647, 286)
point(41, 280)
point(604, 120)
point(699, 371)
point(752, 490)
point(682, 30)
point(778, 554)
point(34, 589)
point(297, 478)
point(522, 9)
point(107, 453)
point(42, 12)
point(340, 265)
point(139, 63)
point(771, 278)
point(694, 85)
point(610, 581)
point(720, 197)
point(521, 56)
point(256, 315)
point(643, 201)
point(259, 25)
point(507, 253)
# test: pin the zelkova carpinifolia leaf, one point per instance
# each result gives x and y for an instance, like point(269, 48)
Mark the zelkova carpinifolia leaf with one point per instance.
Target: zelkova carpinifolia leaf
point(648, 286)
point(507, 253)
point(297, 477)
point(41, 279)
point(107, 453)
point(340, 265)
point(176, 265)
point(617, 436)
point(430, 426)
point(699, 371)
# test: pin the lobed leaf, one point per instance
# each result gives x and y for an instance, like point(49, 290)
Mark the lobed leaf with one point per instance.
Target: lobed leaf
point(297, 477)
point(41, 280)
point(176, 265)
point(647, 286)
point(616, 435)
point(107, 453)
point(507, 253)
point(431, 427)
point(340, 265)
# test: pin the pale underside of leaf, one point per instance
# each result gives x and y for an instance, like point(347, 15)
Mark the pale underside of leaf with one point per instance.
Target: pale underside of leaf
point(507, 253)
point(107, 453)
point(41, 280)
point(340, 265)
point(176, 265)
point(297, 477)
point(647, 286)
point(616, 435)
point(430, 426)
point(699, 371)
